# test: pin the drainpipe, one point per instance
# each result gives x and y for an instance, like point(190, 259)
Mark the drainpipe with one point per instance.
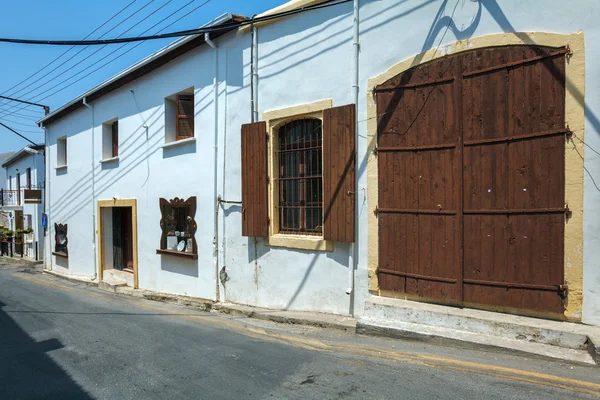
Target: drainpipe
point(85, 103)
point(217, 199)
point(354, 250)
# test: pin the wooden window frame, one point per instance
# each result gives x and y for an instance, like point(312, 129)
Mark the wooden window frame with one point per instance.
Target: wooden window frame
point(114, 138)
point(301, 166)
point(177, 202)
point(57, 228)
point(178, 117)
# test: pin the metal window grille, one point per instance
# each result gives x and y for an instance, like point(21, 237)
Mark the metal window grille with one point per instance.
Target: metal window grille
point(300, 160)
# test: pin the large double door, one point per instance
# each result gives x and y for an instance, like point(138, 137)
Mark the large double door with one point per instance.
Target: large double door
point(471, 180)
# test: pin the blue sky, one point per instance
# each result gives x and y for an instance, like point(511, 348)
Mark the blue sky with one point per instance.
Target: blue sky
point(68, 19)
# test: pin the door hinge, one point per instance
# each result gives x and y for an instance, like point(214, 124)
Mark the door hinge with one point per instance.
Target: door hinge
point(563, 291)
point(376, 210)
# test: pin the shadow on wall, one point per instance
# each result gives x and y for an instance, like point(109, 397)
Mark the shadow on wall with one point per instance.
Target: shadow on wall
point(62, 261)
point(26, 371)
point(179, 265)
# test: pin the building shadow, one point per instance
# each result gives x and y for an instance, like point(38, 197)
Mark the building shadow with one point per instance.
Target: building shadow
point(26, 370)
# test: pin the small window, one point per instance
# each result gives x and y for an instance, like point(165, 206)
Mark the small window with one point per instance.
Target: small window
point(110, 139)
point(60, 240)
point(115, 138)
point(61, 152)
point(300, 161)
point(29, 178)
point(179, 116)
point(185, 116)
point(178, 227)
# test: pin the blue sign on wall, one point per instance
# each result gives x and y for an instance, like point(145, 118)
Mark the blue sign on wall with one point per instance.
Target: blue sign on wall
point(45, 220)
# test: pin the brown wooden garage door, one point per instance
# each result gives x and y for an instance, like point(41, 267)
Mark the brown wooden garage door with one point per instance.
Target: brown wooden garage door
point(471, 179)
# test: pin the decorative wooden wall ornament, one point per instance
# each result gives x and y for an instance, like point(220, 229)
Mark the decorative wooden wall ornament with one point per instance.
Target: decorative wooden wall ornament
point(177, 202)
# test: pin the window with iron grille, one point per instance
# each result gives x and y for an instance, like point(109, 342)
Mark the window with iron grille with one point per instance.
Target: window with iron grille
point(300, 160)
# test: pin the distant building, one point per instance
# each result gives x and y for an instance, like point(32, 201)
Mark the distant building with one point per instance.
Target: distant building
point(22, 199)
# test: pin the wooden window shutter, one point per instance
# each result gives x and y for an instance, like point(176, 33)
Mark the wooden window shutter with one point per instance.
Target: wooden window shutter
point(255, 218)
point(115, 138)
point(185, 116)
point(339, 171)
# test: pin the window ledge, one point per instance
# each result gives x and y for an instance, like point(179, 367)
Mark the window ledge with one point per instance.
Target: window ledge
point(57, 253)
point(180, 142)
point(177, 253)
point(107, 160)
point(61, 167)
point(303, 242)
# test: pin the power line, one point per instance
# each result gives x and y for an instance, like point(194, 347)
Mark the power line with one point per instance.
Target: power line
point(90, 55)
point(71, 48)
point(198, 31)
point(12, 130)
point(189, 32)
point(120, 55)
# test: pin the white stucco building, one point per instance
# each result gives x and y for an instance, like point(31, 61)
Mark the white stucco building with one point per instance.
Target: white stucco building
point(155, 177)
point(22, 200)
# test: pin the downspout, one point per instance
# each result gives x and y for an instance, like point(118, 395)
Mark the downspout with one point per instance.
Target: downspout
point(354, 251)
point(254, 102)
point(216, 224)
point(85, 103)
point(48, 250)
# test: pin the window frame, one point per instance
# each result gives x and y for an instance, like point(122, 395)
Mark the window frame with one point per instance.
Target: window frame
point(191, 221)
point(178, 117)
point(28, 177)
point(275, 119)
point(61, 152)
point(301, 177)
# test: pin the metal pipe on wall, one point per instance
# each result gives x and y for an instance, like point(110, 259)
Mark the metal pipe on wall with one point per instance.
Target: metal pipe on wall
point(85, 103)
point(354, 251)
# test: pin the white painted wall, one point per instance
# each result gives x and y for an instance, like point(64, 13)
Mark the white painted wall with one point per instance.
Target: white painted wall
point(302, 59)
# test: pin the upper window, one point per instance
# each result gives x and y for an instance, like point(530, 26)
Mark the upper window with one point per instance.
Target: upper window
point(28, 178)
point(179, 116)
point(185, 116)
point(300, 162)
point(61, 152)
point(110, 139)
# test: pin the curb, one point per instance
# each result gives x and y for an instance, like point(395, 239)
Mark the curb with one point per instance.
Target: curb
point(407, 334)
point(69, 278)
point(277, 316)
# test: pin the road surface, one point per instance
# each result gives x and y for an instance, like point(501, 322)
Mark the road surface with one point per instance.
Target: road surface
point(60, 340)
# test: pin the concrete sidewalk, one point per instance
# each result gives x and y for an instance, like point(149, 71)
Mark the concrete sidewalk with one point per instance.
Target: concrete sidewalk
point(413, 321)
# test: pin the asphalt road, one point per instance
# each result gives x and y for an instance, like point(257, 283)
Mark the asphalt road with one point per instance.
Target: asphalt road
point(61, 340)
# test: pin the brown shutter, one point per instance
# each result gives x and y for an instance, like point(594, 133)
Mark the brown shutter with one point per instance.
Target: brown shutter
point(185, 116)
point(255, 220)
point(339, 165)
point(115, 139)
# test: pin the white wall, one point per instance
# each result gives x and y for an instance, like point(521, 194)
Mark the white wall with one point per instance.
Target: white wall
point(302, 59)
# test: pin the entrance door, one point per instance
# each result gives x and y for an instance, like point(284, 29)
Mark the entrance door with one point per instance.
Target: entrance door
point(471, 180)
point(122, 239)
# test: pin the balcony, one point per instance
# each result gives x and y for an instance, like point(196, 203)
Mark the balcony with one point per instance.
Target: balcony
point(10, 197)
point(16, 198)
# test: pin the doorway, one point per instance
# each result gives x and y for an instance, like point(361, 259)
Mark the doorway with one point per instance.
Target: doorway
point(117, 240)
point(122, 246)
point(471, 182)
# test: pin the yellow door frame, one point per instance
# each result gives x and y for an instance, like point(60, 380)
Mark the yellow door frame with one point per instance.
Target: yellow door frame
point(118, 203)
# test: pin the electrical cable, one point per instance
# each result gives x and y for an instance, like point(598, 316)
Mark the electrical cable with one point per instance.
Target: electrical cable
point(71, 48)
point(115, 58)
point(189, 32)
point(88, 56)
point(118, 56)
point(79, 52)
